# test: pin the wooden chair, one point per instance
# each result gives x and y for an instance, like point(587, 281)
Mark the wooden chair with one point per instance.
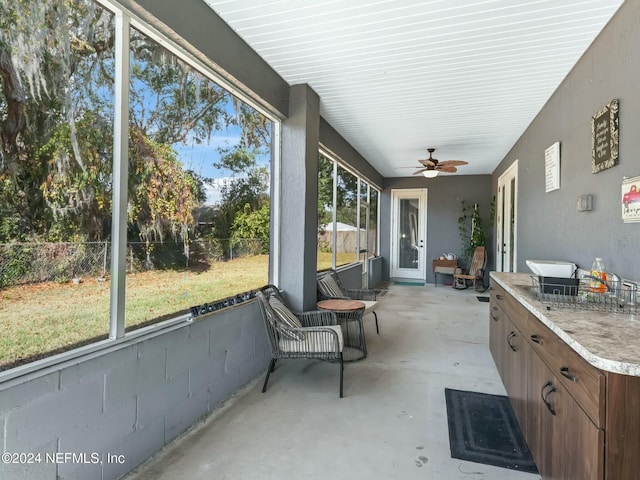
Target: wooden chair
point(475, 272)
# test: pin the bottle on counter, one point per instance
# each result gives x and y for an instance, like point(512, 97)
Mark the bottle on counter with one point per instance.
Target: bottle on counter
point(597, 271)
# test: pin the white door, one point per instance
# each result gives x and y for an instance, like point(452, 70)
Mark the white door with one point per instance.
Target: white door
point(409, 234)
point(507, 208)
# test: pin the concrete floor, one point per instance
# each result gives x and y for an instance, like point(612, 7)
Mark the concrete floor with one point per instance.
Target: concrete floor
point(391, 423)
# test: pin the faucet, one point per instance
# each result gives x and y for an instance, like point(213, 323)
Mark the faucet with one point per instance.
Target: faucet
point(633, 291)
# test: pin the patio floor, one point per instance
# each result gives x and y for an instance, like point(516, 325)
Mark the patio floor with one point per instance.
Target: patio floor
point(391, 423)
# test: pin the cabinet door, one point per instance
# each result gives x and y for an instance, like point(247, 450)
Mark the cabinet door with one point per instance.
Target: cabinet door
point(583, 447)
point(516, 363)
point(566, 444)
point(496, 336)
point(544, 431)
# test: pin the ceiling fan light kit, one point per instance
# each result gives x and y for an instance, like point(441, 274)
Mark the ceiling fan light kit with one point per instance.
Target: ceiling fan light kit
point(431, 166)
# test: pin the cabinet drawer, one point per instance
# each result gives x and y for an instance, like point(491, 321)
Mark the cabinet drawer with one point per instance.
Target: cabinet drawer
point(510, 306)
point(585, 383)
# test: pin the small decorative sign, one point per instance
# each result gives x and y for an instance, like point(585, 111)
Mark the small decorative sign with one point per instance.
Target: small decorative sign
point(604, 137)
point(631, 200)
point(552, 167)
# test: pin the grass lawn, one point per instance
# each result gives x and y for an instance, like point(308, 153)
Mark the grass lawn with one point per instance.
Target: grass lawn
point(37, 320)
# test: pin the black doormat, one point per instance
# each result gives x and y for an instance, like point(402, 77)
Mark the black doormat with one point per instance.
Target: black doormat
point(482, 299)
point(484, 429)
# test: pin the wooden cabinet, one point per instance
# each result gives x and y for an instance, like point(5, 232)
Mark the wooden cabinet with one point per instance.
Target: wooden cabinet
point(558, 398)
point(510, 351)
point(566, 444)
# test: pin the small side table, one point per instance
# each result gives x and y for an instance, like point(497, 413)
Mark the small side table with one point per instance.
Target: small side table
point(443, 267)
point(349, 314)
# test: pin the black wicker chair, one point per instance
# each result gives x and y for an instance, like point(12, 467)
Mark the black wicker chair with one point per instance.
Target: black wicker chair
point(330, 286)
point(313, 334)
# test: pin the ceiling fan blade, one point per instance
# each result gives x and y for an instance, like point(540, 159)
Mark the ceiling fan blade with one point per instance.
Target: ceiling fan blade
point(420, 170)
point(427, 163)
point(453, 163)
point(448, 169)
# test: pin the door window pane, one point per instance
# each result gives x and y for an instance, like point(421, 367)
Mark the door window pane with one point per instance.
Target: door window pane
point(408, 234)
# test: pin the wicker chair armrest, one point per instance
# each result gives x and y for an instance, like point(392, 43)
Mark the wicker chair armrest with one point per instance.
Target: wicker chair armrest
point(360, 294)
point(317, 318)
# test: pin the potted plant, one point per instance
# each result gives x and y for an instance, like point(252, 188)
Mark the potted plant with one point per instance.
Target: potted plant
point(471, 228)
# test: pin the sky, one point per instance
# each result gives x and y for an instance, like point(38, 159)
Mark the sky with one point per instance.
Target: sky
point(201, 157)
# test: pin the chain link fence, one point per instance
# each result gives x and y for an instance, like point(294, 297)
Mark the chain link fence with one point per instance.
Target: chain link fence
point(23, 263)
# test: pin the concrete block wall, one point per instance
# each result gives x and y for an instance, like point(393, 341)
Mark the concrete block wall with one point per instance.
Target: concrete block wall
point(101, 416)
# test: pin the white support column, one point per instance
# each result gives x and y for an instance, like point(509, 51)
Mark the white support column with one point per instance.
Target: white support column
point(120, 177)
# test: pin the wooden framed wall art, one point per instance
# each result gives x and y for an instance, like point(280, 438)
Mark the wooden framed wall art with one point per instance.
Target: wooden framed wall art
point(604, 137)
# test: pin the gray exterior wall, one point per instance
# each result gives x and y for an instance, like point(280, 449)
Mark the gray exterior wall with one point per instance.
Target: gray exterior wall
point(334, 142)
point(549, 227)
point(444, 196)
point(131, 400)
point(375, 271)
point(299, 200)
point(351, 276)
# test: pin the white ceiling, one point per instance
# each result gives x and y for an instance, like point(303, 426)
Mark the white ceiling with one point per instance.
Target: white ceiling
point(397, 76)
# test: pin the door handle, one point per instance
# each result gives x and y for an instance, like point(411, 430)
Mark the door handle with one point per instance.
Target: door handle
point(565, 373)
point(545, 396)
point(509, 338)
point(494, 309)
point(536, 339)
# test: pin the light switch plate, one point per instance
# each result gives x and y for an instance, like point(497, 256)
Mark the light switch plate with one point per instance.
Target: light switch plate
point(585, 203)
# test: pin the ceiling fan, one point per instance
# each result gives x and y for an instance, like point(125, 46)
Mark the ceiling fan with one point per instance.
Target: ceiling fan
point(431, 166)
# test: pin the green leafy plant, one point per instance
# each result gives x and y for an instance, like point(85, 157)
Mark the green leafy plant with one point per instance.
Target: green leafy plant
point(471, 227)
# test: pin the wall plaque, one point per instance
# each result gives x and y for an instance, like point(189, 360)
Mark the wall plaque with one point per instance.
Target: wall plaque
point(552, 167)
point(604, 138)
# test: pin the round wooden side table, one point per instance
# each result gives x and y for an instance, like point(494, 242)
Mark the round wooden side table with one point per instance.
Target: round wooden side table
point(349, 314)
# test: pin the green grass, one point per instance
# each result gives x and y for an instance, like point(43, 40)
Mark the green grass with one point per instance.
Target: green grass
point(41, 319)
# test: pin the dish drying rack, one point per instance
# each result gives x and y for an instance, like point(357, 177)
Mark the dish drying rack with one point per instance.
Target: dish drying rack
point(579, 293)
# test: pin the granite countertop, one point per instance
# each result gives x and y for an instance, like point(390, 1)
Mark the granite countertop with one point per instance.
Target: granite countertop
point(608, 341)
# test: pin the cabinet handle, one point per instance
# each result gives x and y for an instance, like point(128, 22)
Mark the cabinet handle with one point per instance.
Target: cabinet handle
point(545, 396)
point(565, 373)
point(536, 339)
point(509, 337)
point(499, 297)
point(494, 309)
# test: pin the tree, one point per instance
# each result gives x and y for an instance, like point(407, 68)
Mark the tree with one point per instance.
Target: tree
point(56, 117)
point(253, 225)
point(46, 50)
point(242, 192)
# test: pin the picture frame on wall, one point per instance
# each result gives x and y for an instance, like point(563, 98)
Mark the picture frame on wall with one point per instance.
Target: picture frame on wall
point(604, 137)
point(631, 200)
